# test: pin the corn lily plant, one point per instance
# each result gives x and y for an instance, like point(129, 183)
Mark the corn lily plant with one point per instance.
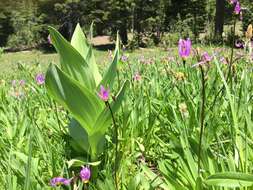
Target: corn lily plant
point(75, 85)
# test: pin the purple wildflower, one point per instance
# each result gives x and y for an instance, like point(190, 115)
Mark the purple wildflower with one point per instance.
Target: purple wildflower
point(103, 94)
point(223, 60)
point(60, 181)
point(137, 77)
point(22, 82)
point(85, 174)
point(49, 39)
point(205, 58)
point(237, 9)
point(124, 58)
point(184, 48)
point(239, 44)
point(40, 78)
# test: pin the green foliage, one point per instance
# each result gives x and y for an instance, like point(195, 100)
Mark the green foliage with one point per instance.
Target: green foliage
point(230, 179)
point(74, 87)
point(158, 126)
point(27, 26)
point(22, 23)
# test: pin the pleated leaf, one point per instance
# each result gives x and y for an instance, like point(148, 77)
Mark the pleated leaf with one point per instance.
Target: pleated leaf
point(81, 44)
point(72, 62)
point(82, 104)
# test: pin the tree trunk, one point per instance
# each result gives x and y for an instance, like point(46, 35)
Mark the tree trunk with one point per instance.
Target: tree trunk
point(123, 25)
point(219, 18)
point(123, 33)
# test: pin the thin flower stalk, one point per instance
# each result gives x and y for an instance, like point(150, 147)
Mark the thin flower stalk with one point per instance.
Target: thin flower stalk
point(116, 144)
point(202, 118)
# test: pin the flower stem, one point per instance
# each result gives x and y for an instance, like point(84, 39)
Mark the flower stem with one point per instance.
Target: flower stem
point(202, 117)
point(116, 144)
point(232, 54)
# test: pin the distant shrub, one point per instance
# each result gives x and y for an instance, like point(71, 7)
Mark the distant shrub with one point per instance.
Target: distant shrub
point(27, 27)
point(169, 40)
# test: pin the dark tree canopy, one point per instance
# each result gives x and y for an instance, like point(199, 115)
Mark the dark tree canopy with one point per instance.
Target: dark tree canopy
point(23, 22)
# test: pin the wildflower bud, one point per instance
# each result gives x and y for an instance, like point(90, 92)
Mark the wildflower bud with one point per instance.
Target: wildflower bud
point(237, 9)
point(184, 48)
point(40, 79)
point(137, 77)
point(103, 94)
point(85, 174)
point(57, 181)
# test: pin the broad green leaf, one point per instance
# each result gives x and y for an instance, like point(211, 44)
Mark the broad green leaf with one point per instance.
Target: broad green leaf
point(82, 104)
point(79, 41)
point(79, 135)
point(111, 71)
point(72, 63)
point(230, 179)
point(94, 142)
point(90, 58)
point(81, 44)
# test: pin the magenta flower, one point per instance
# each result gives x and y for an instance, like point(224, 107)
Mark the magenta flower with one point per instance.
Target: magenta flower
point(22, 82)
point(237, 9)
point(137, 77)
point(103, 94)
point(56, 181)
point(85, 174)
point(239, 44)
point(124, 58)
point(223, 60)
point(184, 48)
point(40, 79)
point(49, 39)
point(205, 58)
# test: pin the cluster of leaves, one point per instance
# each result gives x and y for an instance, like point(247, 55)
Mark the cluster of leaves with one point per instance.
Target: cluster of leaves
point(75, 87)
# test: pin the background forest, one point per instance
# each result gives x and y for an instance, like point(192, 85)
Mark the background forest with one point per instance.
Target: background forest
point(140, 23)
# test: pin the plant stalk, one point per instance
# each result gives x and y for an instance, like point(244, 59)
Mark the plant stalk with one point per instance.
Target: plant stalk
point(116, 144)
point(230, 77)
point(202, 117)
